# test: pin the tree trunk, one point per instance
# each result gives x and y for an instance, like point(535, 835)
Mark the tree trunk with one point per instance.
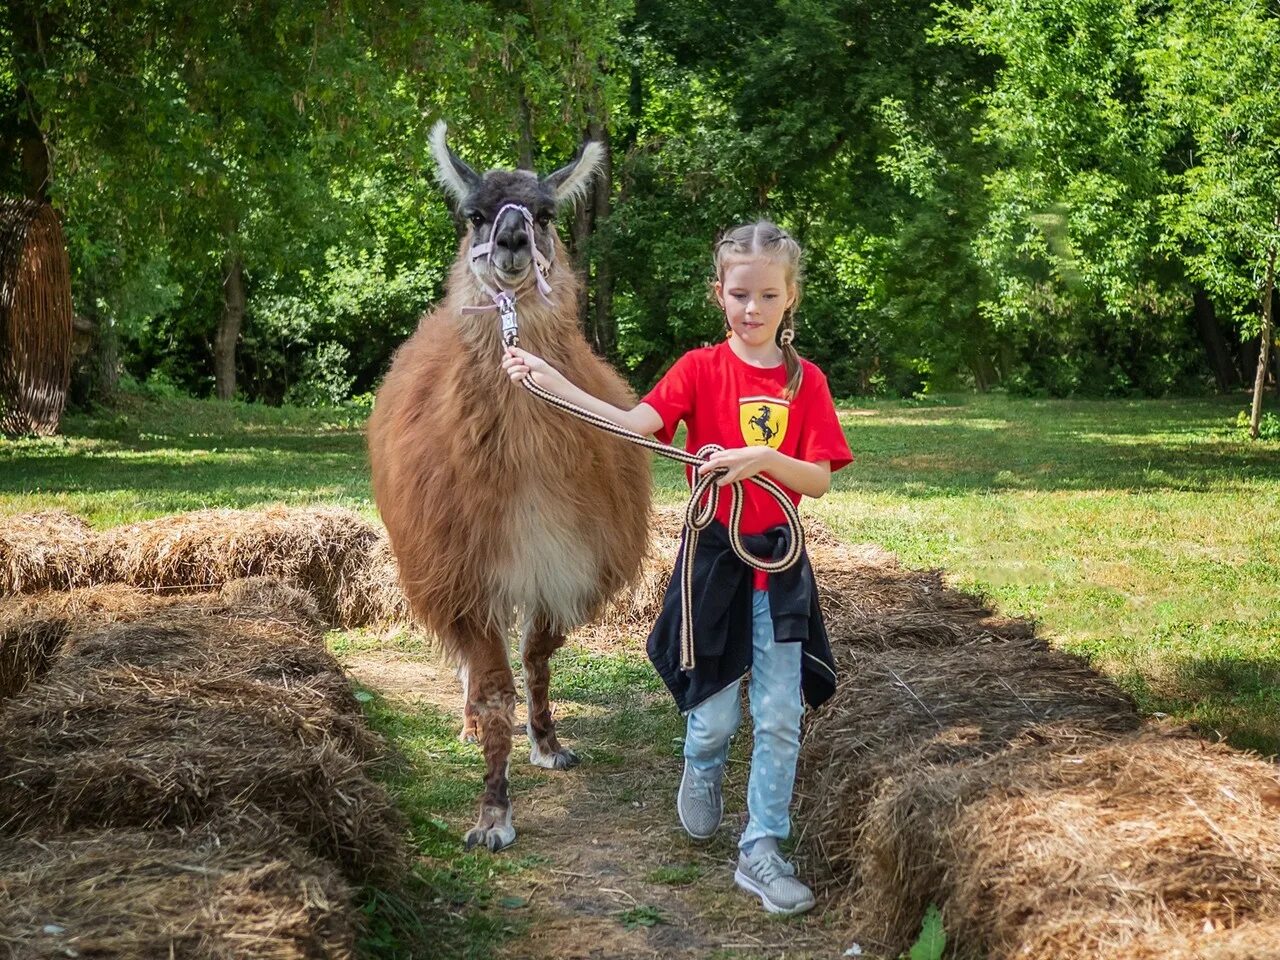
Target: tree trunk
point(526, 132)
point(604, 329)
point(1214, 343)
point(1264, 347)
point(229, 324)
point(24, 134)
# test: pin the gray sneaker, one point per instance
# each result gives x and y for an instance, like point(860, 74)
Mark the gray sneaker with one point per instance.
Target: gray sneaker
point(772, 879)
point(699, 803)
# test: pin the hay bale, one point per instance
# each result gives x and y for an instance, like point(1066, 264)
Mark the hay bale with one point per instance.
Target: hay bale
point(265, 629)
point(940, 706)
point(228, 769)
point(214, 895)
point(27, 646)
point(176, 711)
point(309, 548)
point(1117, 849)
point(35, 317)
point(49, 550)
point(82, 707)
point(368, 589)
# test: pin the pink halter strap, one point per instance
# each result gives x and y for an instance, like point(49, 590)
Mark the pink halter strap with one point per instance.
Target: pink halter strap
point(504, 301)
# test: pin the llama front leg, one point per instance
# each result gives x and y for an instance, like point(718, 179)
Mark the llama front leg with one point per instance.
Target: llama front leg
point(469, 733)
point(539, 642)
point(491, 694)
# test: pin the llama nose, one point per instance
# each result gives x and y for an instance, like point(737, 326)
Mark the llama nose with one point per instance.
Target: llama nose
point(513, 240)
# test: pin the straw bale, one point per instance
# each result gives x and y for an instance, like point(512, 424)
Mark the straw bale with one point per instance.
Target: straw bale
point(937, 706)
point(230, 770)
point(368, 589)
point(210, 895)
point(26, 648)
point(308, 547)
point(1154, 845)
point(49, 550)
point(81, 707)
point(264, 629)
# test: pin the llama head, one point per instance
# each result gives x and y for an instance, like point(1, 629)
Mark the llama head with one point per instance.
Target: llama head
point(481, 199)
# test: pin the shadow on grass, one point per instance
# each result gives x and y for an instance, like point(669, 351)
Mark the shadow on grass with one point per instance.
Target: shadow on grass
point(1228, 697)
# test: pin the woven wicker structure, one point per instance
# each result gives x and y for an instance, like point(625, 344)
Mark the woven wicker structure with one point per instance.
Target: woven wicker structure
point(35, 318)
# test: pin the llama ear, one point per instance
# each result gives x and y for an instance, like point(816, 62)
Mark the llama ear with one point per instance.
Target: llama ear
point(455, 174)
point(571, 181)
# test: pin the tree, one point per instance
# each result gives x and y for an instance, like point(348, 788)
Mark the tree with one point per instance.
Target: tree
point(1212, 71)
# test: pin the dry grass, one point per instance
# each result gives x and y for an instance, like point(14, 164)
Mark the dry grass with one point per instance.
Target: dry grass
point(216, 894)
point(254, 620)
point(900, 708)
point(50, 550)
point(334, 554)
point(1119, 849)
point(177, 711)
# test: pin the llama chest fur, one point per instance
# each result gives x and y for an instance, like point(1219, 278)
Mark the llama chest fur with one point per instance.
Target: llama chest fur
point(550, 563)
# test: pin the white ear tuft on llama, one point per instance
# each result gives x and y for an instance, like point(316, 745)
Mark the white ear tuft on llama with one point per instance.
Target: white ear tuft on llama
point(572, 180)
point(454, 174)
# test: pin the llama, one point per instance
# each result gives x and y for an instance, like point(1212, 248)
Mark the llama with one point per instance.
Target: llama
point(495, 503)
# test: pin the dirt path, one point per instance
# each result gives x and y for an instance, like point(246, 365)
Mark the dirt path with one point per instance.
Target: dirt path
point(609, 854)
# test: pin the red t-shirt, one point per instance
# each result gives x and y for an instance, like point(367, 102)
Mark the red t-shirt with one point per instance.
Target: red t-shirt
point(723, 399)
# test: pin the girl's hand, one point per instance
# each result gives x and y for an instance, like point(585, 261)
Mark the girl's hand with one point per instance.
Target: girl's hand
point(519, 364)
point(740, 463)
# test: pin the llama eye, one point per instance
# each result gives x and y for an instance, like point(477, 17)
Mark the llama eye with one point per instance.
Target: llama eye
point(476, 219)
point(544, 219)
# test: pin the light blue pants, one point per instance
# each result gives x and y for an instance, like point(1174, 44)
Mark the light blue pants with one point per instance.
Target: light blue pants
point(776, 708)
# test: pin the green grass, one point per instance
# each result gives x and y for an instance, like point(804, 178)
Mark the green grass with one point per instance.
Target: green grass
point(448, 908)
point(1143, 533)
point(148, 458)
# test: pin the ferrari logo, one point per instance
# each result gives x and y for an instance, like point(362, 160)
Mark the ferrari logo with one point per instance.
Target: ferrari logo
point(764, 421)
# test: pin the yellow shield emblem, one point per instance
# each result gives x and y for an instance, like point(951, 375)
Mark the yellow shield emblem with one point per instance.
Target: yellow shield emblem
point(763, 420)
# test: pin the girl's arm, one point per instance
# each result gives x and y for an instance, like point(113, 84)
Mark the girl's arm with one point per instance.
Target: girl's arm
point(807, 479)
point(518, 364)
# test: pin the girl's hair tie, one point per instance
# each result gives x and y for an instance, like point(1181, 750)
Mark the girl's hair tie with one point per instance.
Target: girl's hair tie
point(786, 336)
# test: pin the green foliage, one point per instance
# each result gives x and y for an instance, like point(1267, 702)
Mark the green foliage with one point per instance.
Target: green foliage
point(932, 942)
point(323, 380)
point(1210, 71)
point(1268, 425)
point(641, 916)
point(1018, 194)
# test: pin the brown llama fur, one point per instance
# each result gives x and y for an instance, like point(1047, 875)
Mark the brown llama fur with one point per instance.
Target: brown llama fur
point(500, 509)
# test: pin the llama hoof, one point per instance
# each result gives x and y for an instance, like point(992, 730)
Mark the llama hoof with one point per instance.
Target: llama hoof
point(468, 736)
point(561, 759)
point(493, 830)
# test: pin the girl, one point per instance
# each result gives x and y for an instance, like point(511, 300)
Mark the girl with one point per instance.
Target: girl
point(772, 413)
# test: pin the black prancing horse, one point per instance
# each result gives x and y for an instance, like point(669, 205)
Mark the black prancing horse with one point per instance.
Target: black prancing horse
point(761, 420)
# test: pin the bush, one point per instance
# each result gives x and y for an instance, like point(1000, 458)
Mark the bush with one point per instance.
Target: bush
point(324, 381)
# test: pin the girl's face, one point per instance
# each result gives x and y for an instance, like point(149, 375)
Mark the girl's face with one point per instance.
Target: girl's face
point(755, 294)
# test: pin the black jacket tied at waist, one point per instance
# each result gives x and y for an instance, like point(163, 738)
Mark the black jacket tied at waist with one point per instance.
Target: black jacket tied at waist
point(722, 619)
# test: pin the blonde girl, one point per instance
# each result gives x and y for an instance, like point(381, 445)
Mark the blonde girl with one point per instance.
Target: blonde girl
point(772, 413)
